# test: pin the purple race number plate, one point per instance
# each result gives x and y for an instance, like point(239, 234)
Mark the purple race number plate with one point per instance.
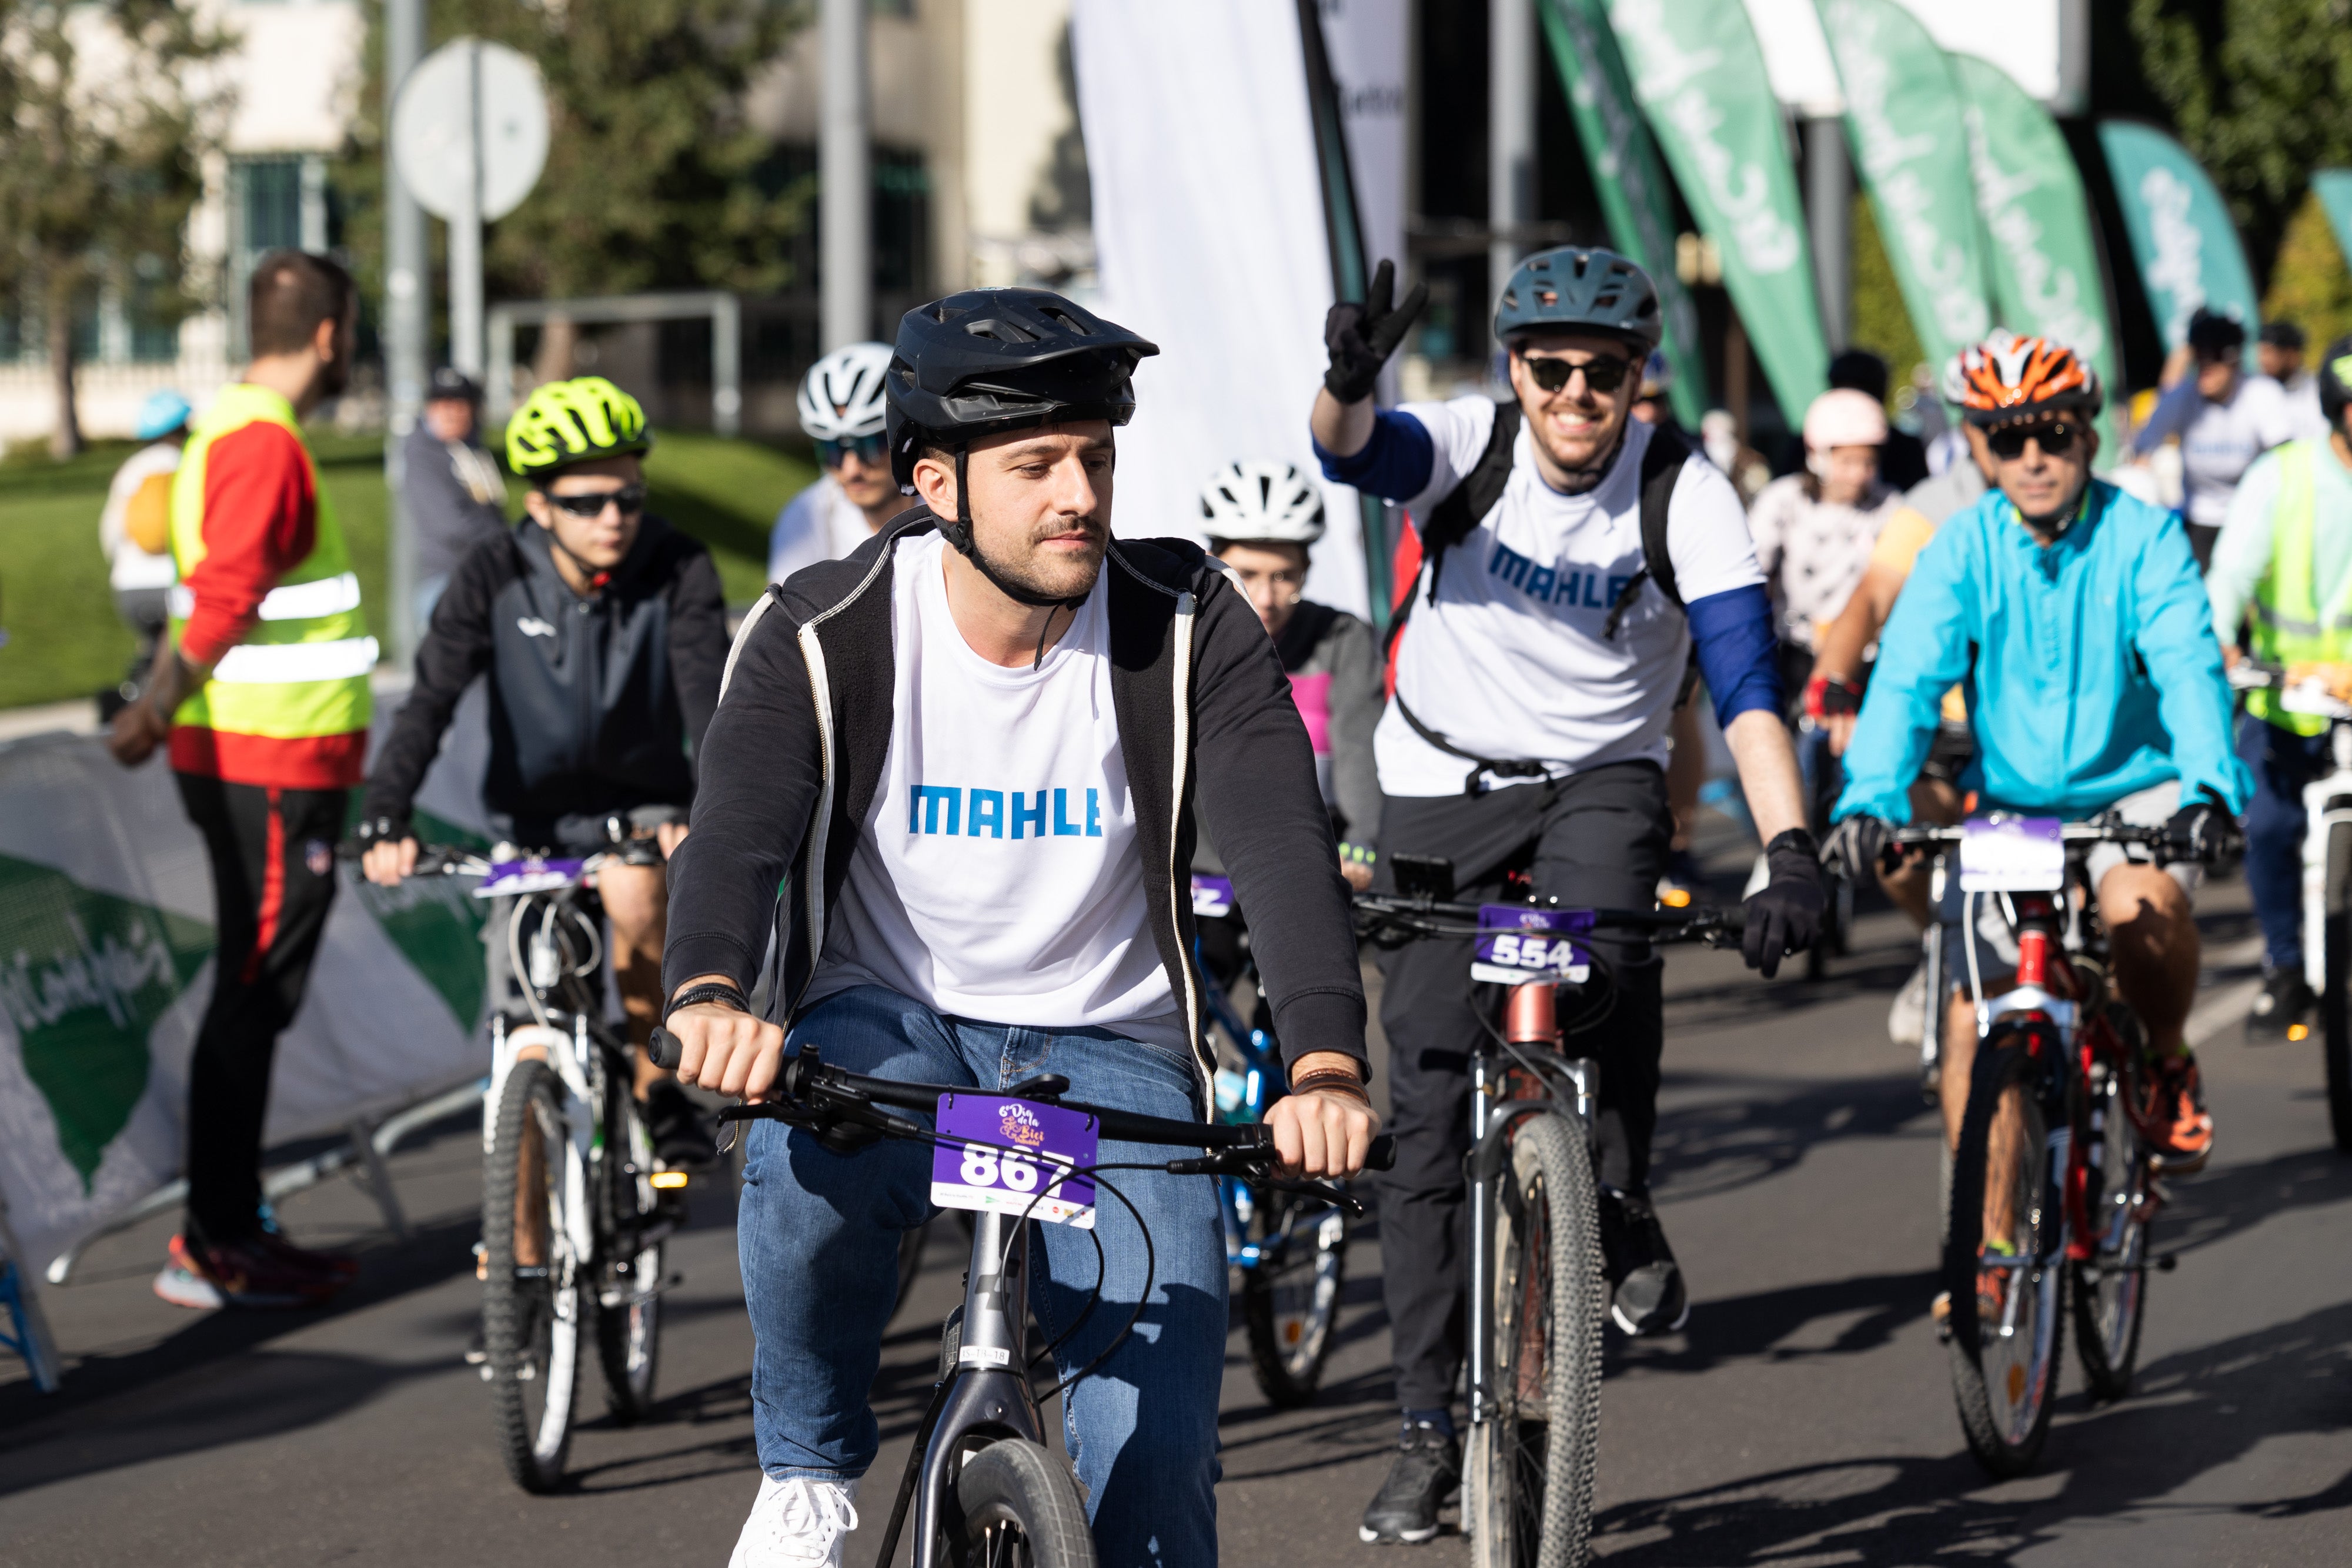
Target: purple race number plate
point(1211, 895)
point(2012, 854)
point(1012, 1149)
point(507, 878)
point(1517, 944)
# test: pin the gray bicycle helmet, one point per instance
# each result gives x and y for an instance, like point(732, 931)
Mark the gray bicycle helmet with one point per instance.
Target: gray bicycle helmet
point(1585, 290)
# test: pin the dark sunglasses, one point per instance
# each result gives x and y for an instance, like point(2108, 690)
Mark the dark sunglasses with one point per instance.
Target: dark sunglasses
point(2055, 439)
point(833, 453)
point(630, 498)
point(1603, 373)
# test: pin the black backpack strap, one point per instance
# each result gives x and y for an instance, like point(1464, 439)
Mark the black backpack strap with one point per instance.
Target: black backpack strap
point(1451, 520)
point(1662, 465)
point(1502, 768)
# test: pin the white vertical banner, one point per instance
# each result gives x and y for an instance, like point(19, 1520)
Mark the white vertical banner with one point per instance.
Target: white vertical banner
point(1211, 240)
point(1367, 40)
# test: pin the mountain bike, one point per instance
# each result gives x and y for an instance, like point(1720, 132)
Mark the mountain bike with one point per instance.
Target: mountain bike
point(1289, 1248)
point(576, 1211)
point(2052, 1193)
point(984, 1489)
point(2326, 878)
point(1538, 1296)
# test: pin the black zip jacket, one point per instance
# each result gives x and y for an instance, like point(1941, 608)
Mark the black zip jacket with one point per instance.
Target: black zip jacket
point(1206, 726)
point(593, 702)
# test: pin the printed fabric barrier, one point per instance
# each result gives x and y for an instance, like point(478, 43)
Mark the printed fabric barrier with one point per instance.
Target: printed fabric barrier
point(106, 963)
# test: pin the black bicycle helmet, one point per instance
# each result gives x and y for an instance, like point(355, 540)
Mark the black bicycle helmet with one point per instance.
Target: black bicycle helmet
point(2335, 382)
point(989, 360)
point(1577, 289)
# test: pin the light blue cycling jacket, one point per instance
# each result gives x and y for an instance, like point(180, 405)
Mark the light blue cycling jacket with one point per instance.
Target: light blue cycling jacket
point(2090, 666)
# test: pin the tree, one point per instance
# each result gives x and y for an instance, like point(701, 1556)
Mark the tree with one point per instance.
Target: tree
point(2260, 90)
point(102, 162)
point(654, 176)
point(2310, 284)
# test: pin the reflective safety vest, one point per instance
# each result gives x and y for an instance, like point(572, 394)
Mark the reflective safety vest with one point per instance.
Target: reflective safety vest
point(302, 672)
point(2290, 626)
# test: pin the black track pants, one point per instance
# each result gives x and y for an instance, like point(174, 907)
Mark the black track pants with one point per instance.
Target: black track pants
point(273, 879)
point(1598, 840)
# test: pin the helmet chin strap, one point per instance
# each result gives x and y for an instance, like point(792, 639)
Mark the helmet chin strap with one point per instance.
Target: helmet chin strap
point(958, 534)
point(597, 576)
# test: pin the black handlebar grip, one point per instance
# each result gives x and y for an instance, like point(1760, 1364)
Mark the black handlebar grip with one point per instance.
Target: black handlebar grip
point(1382, 1155)
point(665, 1050)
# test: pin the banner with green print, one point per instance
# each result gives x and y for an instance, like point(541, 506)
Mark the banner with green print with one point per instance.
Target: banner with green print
point(1634, 196)
point(106, 962)
point(2335, 188)
point(1910, 143)
point(2045, 261)
point(1699, 73)
point(2188, 249)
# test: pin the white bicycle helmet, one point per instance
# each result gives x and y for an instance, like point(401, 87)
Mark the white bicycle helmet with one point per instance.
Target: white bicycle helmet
point(842, 397)
point(1262, 503)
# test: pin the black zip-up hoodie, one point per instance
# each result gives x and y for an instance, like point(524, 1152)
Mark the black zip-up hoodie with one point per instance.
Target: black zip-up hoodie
point(593, 701)
point(1206, 725)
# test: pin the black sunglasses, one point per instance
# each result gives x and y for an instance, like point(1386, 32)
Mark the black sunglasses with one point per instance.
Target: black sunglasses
point(630, 498)
point(2055, 439)
point(833, 453)
point(1604, 373)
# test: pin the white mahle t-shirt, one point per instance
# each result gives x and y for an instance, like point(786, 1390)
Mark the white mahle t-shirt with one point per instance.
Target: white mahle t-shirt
point(996, 876)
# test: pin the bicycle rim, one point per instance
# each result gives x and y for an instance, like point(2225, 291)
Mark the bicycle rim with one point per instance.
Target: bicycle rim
point(1290, 1298)
point(2005, 1345)
point(1533, 1458)
point(2109, 1288)
point(530, 1319)
point(628, 1319)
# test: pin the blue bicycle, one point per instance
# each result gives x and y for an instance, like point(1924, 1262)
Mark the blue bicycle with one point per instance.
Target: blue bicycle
point(1289, 1248)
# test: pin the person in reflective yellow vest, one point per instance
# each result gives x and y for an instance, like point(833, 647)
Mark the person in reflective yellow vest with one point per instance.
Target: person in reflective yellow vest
point(2282, 567)
point(261, 693)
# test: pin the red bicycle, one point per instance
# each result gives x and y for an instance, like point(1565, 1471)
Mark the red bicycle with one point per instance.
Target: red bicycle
point(2052, 1190)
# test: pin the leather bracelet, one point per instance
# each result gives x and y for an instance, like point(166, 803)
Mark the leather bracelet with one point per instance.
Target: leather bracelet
point(709, 991)
point(1341, 1079)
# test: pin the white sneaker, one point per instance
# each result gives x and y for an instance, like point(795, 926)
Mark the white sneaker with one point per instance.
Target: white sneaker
point(798, 1523)
point(1907, 1020)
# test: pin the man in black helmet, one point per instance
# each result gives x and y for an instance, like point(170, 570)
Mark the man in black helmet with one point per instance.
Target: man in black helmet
point(1572, 562)
point(978, 746)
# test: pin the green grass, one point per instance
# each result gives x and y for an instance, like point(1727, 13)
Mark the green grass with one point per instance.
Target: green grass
point(65, 641)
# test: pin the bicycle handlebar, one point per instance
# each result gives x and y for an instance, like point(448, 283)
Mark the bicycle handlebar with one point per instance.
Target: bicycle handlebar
point(819, 1095)
point(1698, 924)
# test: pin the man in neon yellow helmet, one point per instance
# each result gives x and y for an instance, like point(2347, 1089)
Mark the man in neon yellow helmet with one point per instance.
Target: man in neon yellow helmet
point(603, 633)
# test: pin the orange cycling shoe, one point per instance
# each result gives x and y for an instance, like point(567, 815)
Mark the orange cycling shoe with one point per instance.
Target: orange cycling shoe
point(2184, 1129)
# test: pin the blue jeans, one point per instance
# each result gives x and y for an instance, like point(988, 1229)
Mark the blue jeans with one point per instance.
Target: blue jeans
point(819, 1240)
point(2282, 763)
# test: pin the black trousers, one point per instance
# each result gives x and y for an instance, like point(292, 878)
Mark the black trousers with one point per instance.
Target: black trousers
point(272, 854)
point(1598, 840)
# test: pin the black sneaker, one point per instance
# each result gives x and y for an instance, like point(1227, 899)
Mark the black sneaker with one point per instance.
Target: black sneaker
point(1649, 1297)
point(681, 1137)
point(1427, 1473)
point(2284, 1000)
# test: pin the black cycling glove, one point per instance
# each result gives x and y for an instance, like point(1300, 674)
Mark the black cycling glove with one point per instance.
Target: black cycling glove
point(1362, 337)
point(2205, 831)
point(1857, 847)
point(1786, 918)
point(373, 831)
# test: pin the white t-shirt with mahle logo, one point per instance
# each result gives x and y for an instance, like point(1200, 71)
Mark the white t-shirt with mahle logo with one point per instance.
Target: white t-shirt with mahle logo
point(997, 876)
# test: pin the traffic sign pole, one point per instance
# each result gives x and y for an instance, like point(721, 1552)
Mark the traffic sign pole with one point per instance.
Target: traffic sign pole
point(407, 321)
point(466, 228)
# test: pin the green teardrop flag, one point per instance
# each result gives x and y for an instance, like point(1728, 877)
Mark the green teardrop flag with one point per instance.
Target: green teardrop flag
point(2181, 234)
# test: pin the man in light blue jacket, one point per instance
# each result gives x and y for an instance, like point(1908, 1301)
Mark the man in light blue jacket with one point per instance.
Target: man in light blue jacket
point(2075, 618)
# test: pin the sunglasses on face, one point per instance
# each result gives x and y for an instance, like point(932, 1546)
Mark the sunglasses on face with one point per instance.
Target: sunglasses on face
point(630, 498)
point(1602, 374)
point(2055, 440)
point(833, 453)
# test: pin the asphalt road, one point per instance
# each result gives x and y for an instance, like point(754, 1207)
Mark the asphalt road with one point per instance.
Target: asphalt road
point(1804, 1416)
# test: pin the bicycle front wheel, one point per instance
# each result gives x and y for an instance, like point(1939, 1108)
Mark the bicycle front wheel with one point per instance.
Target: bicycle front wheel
point(530, 1311)
point(1528, 1477)
point(1020, 1509)
point(1290, 1297)
point(628, 1316)
point(2335, 995)
point(2110, 1285)
point(2002, 1264)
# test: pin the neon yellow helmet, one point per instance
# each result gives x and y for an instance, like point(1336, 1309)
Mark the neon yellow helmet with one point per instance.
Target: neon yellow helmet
point(576, 420)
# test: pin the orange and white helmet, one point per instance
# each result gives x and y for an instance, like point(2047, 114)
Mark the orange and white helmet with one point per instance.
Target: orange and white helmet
point(2006, 376)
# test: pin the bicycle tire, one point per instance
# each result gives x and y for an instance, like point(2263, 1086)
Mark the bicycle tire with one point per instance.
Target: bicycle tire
point(1290, 1302)
point(1018, 1507)
point(2336, 992)
point(530, 1326)
point(1527, 1479)
point(628, 1330)
point(2004, 1398)
point(2110, 1289)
